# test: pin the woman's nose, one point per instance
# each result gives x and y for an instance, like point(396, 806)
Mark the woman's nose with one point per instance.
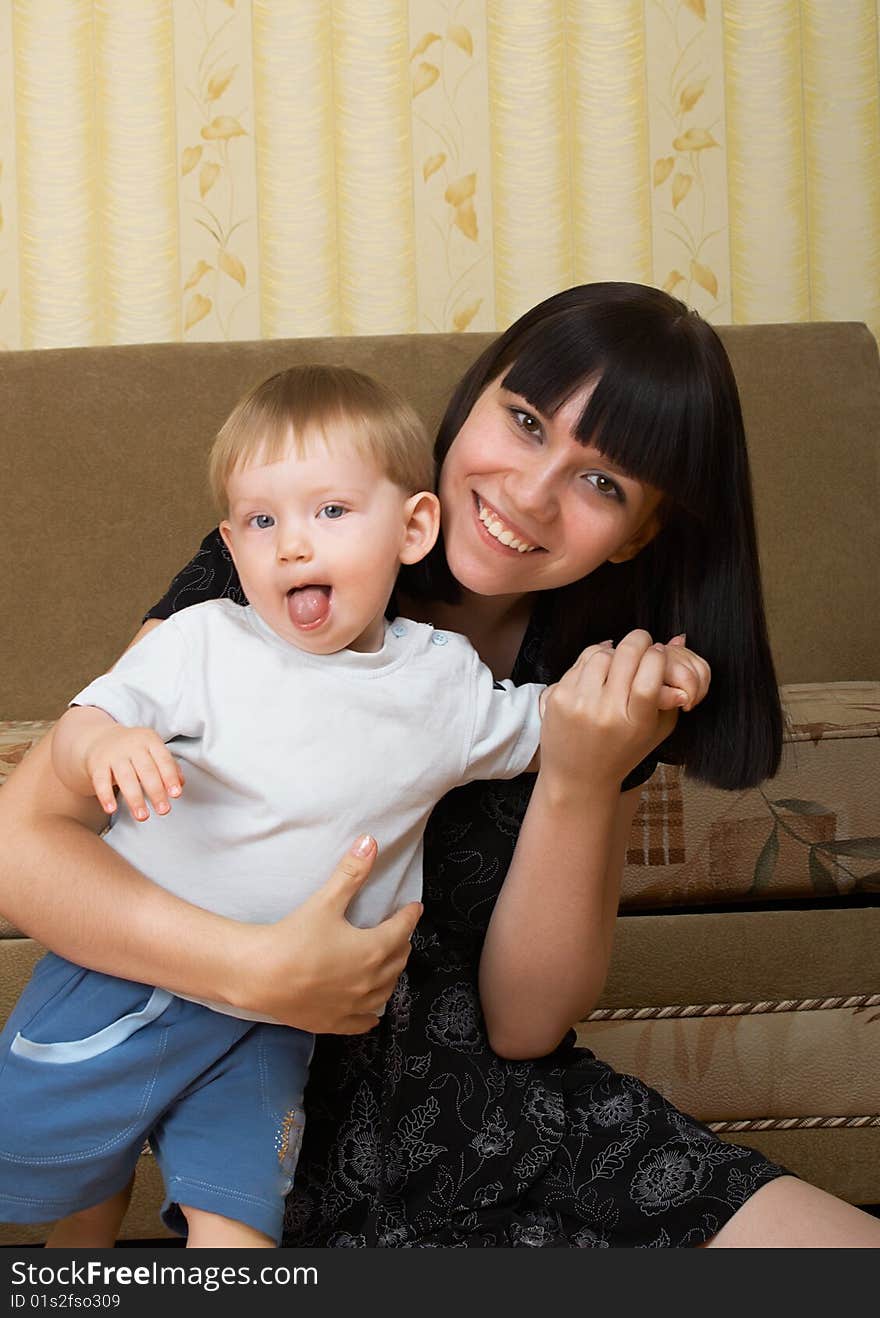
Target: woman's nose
point(532, 490)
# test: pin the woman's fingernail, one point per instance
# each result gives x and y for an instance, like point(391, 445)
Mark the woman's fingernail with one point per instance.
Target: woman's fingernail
point(680, 639)
point(174, 791)
point(363, 846)
point(682, 699)
point(658, 645)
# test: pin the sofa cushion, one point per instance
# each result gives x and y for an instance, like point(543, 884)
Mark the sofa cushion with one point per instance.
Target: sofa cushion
point(777, 1057)
point(16, 739)
point(812, 832)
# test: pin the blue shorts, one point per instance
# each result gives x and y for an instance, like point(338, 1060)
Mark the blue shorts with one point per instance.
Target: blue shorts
point(92, 1066)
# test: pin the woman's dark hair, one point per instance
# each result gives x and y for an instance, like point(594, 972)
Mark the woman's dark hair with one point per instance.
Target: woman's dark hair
point(666, 409)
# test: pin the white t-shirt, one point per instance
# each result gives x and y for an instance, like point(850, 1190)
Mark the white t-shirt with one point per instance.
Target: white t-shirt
point(288, 756)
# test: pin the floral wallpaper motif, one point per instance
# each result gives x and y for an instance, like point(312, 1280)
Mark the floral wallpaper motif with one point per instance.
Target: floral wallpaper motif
point(453, 231)
point(215, 147)
point(690, 220)
point(464, 158)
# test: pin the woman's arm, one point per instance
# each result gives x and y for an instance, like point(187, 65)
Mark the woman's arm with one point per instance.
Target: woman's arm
point(62, 885)
point(548, 946)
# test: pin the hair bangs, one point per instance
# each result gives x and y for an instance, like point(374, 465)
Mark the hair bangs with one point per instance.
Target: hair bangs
point(548, 368)
point(647, 429)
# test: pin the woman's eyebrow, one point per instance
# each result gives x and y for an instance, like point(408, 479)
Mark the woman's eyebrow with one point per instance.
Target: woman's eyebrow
point(528, 405)
point(613, 467)
point(515, 393)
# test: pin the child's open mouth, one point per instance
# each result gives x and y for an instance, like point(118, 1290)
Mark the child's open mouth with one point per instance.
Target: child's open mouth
point(308, 606)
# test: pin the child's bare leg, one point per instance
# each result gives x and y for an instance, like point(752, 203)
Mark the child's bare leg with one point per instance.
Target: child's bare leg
point(211, 1231)
point(95, 1228)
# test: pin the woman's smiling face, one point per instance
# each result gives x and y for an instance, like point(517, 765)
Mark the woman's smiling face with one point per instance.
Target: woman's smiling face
point(526, 506)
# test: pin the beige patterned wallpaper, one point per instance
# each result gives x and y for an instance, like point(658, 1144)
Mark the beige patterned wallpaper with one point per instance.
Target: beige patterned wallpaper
point(228, 169)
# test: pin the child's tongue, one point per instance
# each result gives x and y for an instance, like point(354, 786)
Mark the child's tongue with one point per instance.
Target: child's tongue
point(308, 605)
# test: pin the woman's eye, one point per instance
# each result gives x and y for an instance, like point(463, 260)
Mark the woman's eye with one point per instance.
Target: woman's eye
point(605, 486)
point(262, 521)
point(530, 424)
point(333, 510)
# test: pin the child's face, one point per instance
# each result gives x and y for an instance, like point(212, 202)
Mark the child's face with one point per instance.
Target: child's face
point(318, 539)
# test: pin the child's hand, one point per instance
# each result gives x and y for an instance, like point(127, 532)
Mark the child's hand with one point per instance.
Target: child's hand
point(137, 761)
point(604, 715)
point(686, 677)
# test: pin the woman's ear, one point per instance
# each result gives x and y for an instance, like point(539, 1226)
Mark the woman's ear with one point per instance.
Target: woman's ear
point(422, 513)
point(643, 536)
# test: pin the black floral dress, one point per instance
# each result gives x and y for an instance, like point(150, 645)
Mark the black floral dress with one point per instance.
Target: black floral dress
point(418, 1135)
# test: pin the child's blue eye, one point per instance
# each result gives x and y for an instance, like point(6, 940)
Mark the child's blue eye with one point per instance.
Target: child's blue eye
point(262, 521)
point(333, 510)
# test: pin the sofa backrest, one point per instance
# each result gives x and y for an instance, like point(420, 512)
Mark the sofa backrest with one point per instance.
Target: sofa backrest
point(103, 458)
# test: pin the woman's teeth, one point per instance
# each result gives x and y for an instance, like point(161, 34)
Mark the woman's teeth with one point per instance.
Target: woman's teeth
point(496, 528)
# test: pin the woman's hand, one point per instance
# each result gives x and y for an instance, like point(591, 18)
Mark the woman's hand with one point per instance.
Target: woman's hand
point(604, 715)
point(315, 970)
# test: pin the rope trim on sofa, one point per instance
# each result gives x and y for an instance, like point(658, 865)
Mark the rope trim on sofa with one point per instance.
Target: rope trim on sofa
point(733, 1008)
point(792, 1123)
point(762, 1123)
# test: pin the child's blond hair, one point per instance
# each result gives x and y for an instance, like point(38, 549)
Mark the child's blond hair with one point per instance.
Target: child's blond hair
point(296, 406)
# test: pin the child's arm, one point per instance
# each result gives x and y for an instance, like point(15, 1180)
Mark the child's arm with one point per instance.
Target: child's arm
point(91, 752)
point(535, 762)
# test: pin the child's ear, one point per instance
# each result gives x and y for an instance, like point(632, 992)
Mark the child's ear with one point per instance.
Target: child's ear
point(422, 513)
point(226, 531)
point(643, 536)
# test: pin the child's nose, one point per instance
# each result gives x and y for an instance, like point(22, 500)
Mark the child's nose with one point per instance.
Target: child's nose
point(294, 546)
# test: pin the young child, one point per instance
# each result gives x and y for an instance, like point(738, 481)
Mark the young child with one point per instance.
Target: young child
point(292, 722)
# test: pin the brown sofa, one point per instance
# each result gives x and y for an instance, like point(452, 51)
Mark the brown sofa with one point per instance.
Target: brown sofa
point(746, 976)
